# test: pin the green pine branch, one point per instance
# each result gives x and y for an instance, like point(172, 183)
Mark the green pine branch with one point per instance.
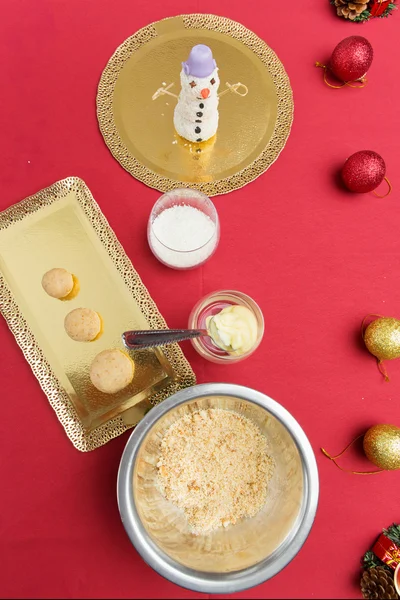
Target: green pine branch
point(364, 16)
point(370, 560)
point(393, 533)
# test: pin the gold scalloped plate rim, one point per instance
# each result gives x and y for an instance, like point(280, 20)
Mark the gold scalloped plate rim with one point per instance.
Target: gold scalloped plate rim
point(283, 124)
point(18, 325)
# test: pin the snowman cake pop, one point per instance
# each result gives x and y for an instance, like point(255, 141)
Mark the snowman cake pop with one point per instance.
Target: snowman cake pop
point(196, 113)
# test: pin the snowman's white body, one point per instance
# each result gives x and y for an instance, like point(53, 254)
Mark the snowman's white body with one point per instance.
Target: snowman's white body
point(196, 116)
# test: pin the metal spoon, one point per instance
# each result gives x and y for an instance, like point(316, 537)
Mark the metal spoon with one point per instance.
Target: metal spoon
point(139, 339)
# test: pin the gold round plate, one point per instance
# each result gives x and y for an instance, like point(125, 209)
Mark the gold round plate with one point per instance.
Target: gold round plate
point(139, 131)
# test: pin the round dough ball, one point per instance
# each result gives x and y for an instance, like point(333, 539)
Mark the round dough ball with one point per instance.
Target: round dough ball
point(82, 324)
point(111, 371)
point(57, 283)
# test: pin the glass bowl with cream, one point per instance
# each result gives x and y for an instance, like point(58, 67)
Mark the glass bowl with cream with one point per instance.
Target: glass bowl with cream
point(235, 324)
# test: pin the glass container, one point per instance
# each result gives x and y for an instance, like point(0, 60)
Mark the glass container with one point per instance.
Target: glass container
point(183, 229)
point(211, 305)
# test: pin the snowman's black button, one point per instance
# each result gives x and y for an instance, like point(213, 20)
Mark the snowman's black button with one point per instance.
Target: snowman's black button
point(201, 105)
point(198, 140)
point(198, 121)
point(197, 130)
point(199, 114)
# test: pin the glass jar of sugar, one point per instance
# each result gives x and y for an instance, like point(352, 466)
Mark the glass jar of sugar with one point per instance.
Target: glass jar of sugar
point(183, 229)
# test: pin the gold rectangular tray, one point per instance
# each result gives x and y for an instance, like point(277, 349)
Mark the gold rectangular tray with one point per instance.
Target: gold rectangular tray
point(62, 226)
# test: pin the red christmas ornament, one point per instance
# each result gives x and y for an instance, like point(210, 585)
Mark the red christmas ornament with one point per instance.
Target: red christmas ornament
point(364, 171)
point(352, 58)
point(349, 62)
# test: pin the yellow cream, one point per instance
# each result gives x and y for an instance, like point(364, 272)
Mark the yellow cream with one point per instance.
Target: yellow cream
point(234, 329)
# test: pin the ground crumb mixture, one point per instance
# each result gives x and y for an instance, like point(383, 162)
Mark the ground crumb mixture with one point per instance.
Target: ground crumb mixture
point(215, 467)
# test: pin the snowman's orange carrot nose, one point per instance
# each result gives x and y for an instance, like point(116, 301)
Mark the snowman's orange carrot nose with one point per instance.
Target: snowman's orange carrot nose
point(205, 93)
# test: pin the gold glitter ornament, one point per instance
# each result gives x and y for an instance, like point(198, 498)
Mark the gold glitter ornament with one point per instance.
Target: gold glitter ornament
point(382, 446)
point(382, 339)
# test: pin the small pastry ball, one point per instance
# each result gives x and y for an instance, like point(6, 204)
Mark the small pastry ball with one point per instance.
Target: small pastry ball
point(111, 371)
point(57, 283)
point(82, 324)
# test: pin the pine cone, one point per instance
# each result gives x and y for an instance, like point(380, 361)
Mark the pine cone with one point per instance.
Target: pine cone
point(350, 9)
point(377, 584)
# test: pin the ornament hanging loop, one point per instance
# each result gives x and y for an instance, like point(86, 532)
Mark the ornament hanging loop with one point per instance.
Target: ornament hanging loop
point(382, 369)
point(388, 192)
point(335, 87)
point(333, 459)
point(363, 328)
point(363, 81)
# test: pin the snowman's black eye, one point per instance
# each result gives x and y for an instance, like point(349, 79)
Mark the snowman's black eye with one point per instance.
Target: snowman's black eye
point(192, 84)
point(212, 81)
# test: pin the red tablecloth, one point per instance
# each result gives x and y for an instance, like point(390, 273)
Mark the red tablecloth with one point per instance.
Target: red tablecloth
point(316, 259)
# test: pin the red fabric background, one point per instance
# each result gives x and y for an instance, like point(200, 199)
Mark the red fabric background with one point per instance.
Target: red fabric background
point(316, 258)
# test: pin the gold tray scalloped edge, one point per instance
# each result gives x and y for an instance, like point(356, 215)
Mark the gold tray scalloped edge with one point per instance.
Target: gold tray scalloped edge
point(225, 26)
point(57, 396)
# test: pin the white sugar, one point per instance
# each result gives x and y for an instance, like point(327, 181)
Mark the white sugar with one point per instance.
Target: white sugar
point(183, 228)
point(183, 236)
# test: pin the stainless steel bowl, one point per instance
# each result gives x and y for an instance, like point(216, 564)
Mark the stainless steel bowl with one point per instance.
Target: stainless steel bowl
point(242, 555)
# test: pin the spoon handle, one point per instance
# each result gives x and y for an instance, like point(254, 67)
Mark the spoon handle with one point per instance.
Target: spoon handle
point(139, 339)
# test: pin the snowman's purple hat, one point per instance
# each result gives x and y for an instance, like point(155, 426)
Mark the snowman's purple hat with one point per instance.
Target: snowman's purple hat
point(200, 62)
